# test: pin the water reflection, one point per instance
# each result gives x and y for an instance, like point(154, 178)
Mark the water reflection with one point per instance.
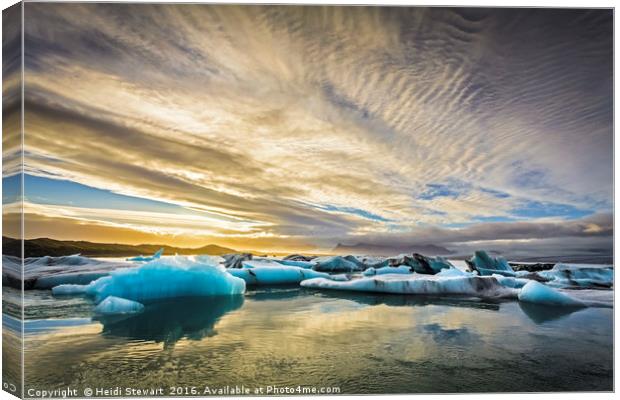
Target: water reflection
point(363, 343)
point(280, 292)
point(397, 300)
point(170, 321)
point(540, 314)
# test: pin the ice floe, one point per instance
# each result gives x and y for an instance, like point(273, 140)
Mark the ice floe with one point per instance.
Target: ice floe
point(583, 276)
point(420, 284)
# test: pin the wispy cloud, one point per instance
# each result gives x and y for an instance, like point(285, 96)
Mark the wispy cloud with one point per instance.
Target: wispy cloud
point(311, 124)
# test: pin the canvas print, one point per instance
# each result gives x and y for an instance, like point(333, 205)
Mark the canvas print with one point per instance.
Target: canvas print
point(205, 200)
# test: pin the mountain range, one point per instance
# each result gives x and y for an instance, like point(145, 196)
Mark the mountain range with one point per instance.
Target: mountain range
point(50, 247)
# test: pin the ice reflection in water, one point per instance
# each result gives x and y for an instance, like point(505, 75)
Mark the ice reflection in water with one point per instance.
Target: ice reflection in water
point(360, 342)
point(170, 321)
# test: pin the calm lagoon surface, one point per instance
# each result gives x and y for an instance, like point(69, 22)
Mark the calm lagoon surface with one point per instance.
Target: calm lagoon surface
point(290, 336)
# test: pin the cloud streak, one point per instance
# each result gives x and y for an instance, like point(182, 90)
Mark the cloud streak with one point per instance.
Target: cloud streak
point(311, 124)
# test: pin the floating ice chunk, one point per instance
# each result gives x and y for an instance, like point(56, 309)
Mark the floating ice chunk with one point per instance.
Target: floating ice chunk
point(403, 269)
point(155, 256)
point(69, 289)
point(536, 292)
point(592, 297)
point(235, 260)
point(259, 262)
point(438, 263)
point(360, 264)
point(421, 264)
point(585, 276)
point(47, 272)
point(420, 284)
point(453, 272)
point(115, 305)
point(79, 278)
point(335, 264)
point(487, 265)
point(510, 282)
point(258, 273)
point(340, 277)
point(294, 263)
point(167, 278)
point(298, 257)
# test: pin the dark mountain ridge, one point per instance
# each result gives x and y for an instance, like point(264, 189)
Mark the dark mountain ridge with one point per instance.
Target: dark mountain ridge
point(50, 247)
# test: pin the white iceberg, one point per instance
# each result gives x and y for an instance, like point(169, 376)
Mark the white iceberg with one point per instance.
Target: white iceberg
point(420, 284)
point(114, 305)
point(161, 279)
point(575, 275)
point(47, 272)
point(273, 273)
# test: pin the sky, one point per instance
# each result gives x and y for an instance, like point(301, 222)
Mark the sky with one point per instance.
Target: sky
point(286, 128)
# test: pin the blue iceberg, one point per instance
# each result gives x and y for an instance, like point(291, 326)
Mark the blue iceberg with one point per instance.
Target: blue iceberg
point(402, 269)
point(163, 279)
point(336, 264)
point(537, 293)
point(487, 265)
point(155, 256)
point(511, 282)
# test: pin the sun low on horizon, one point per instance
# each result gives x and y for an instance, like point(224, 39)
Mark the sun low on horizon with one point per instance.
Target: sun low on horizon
point(291, 128)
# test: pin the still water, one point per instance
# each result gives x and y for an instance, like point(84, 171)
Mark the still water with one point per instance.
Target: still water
point(286, 337)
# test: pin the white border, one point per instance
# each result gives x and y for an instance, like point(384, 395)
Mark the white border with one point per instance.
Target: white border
point(477, 3)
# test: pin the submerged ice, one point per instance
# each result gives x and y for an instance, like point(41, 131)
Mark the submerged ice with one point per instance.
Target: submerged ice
point(112, 305)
